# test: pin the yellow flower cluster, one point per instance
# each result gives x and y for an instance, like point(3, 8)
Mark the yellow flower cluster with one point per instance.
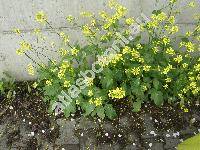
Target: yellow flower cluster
point(30, 69)
point(126, 50)
point(135, 71)
point(97, 101)
point(48, 82)
point(168, 80)
point(173, 29)
point(65, 64)
point(90, 93)
point(74, 52)
point(166, 40)
point(171, 19)
point(24, 46)
point(67, 84)
point(170, 51)
point(89, 81)
point(118, 93)
point(116, 58)
point(64, 37)
point(70, 18)
point(62, 51)
point(41, 17)
point(146, 68)
point(156, 19)
point(178, 59)
point(87, 31)
point(129, 21)
point(167, 69)
point(197, 67)
point(86, 14)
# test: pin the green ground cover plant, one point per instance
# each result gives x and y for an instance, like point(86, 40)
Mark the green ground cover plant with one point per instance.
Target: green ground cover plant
point(163, 68)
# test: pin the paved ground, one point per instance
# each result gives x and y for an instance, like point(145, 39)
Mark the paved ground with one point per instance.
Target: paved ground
point(84, 134)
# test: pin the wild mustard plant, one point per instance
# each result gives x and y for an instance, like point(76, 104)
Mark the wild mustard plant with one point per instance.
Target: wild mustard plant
point(166, 68)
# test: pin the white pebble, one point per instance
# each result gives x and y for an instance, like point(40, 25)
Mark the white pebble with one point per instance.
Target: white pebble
point(199, 130)
point(106, 134)
point(29, 123)
point(119, 135)
point(43, 131)
point(134, 144)
point(156, 120)
point(167, 135)
point(81, 134)
point(11, 107)
point(150, 144)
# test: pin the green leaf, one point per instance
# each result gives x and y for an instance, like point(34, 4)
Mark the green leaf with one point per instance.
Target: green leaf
point(156, 84)
point(110, 111)
point(107, 81)
point(157, 97)
point(89, 108)
point(100, 112)
point(137, 105)
point(190, 144)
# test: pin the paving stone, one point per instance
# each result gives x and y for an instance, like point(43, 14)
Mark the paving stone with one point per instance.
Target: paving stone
point(171, 143)
point(85, 123)
point(67, 134)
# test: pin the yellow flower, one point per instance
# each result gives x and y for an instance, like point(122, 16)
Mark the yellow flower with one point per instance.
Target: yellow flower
point(31, 69)
point(89, 81)
point(118, 93)
point(168, 80)
point(189, 46)
point(103, 14)
point(174, 29)
point(135, 54)
point(167, 69)
point(86, 14)
point(98, 101)
point(35, 85)
point(185, 65)
point(66, 84)
point(63, 51)
point(144, 88)
point(173, 1)
point(129, 21)
point(90, 93)
point(186, 110)
point(188, 33)
point(139, 46)
point(178, 59)
point(146, 68)
point(36, 31)
point(17, 31)
point(70, 18)
point(155, 49)
point(126, 50)
point(74, 51)
point(166, 40)
point(41, 17)
point(171, 19)
point(170, 51)
point(19, 51)
point(48, 82)
point(116, 58)
point(165, 86)
point(192, 4)
point(25, 45)
point(136, 71)
point(197, 67)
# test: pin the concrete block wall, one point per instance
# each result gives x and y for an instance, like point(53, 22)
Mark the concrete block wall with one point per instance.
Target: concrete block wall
point(20, 14)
